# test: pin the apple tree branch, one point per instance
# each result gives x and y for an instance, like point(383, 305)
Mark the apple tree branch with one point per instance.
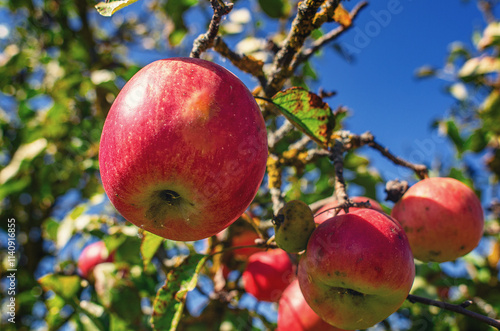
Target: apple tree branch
point(206, 40)
point(460, 309)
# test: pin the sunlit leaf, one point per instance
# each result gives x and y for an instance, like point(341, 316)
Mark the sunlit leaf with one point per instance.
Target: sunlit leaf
point(491, 36)
point(459, 91)
point(109, 8)
point(64, 286)
point(50, 227)
point(25, 152)
point(149, 245)
point(479, 66)
point(308, 112)
point(168, 305)
point(341, 16)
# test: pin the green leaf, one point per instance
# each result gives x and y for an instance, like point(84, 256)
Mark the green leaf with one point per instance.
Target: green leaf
point(175, 10)
point(490, 112)
point(50, 227)
point(353, 161)
point(14, 186)
point(454, 134)
point(459, 175)
point(149, 245)
point(170, 299)
point(275, 8)
point(66, 287)
point(109, 8)
point(53, 318)
point(477, 141)
point(308, 112)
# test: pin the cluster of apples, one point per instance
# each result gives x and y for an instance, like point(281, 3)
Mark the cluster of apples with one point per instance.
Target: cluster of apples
point(182, 155)
point(358, 268)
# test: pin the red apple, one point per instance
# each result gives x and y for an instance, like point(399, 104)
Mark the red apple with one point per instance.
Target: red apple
point(295, 314)
point(183, 150)
point(327, 212)
point(267, 274)
point(92, 255)
point(442, 218)
point(357, 269)
point(245, 238)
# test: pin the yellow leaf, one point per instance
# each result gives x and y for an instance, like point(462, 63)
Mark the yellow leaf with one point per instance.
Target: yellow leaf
point(109, 8)
point(494, 256)
point(341, 16)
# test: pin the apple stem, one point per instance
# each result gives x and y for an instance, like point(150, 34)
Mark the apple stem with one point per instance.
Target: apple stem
point(336, 156)
point(347, 204)
point(461, 309)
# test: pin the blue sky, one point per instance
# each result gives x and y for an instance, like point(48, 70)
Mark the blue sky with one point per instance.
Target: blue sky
point(380, 85)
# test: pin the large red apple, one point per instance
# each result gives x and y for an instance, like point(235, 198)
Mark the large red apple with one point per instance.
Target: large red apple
point(92, 255)
point(442, 218)
point(295, 314)
point(268, 274)
point(357, 269)
point(183, 149)
point(327, 212)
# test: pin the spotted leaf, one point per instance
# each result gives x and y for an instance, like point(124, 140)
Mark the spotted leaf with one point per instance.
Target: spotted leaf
point(168, 305)
point(308, 112)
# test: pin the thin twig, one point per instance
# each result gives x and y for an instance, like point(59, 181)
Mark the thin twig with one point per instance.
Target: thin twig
point(368, 139)
point(243, 62)
point(300, 30)
point(274, 137)
point(327, 38)
point(206, 40)
point(461, 309)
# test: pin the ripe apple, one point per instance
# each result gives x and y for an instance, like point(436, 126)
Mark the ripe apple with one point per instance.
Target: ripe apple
point(92, 255)
point(327, 212)
point(442, 218)
point(267, 274)
point(295, 314)
point(357, 269)
point(183, 150)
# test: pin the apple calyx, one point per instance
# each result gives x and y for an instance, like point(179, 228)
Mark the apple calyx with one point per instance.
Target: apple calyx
point(165, 202)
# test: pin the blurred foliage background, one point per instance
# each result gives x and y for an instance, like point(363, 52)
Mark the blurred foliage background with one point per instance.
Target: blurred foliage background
point(61, 67)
